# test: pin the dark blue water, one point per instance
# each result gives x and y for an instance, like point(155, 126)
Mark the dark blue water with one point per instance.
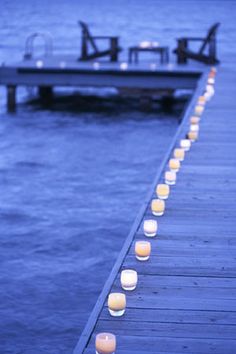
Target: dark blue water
point(72, 182)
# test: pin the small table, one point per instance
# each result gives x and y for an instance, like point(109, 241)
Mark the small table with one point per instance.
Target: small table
point(163, 51)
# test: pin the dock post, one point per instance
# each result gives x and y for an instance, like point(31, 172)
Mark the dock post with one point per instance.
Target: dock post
point(46, 95)
point(11, 98)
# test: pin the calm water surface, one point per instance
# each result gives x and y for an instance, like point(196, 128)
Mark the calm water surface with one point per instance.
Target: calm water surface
point(72, 182)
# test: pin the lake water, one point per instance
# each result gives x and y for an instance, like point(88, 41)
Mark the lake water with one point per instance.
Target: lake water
point(72, 182)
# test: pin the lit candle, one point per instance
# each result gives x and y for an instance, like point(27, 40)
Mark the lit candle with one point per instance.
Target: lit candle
point(158, 207)
point(193, 136)
point(123, 66)
point(179, 154)
point(211, 80)
point(39, 64)
point(150, 228)
point(185, 144)
point(194, 120)
point(142, 250)
point(199, 110)
point(116, 304)
point(194, 128)
point(163, 191)
point(201, 100)
point(174, 165)
point(129, 279)
point(105, 343)
point(96, 65)
point(170, 177)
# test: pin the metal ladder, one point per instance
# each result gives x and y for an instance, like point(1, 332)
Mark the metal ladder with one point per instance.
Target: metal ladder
point(29, 44)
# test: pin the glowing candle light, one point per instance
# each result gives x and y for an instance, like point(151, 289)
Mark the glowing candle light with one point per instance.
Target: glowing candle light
point(39, 64)
point(193, 136)
point(142, 250)
point(179, 154)
point(158, 207)
point(123, 66)
point(150, 228)
point(145, 44)
point(96, 65)
point(116, 304)
point(194, 128)
point(199, 110)
point(201, 100)
point(105, 343)
point(185, 144)
point(174, 165)
point(211, 80)
point(129, 279)
point(194, 120)
point(170, 177)
point(163, 191)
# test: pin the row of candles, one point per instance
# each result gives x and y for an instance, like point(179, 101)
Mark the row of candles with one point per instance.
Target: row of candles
point(106, 342)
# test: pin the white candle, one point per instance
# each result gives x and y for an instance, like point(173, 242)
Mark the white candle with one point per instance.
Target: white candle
point(170, 177)
point(105, 343)
point(179, 154)
point(194, 128)
point(123, 66)
point(174, 165)
point(163, 191)
point(150, 228)
point(199, 110)
point(129, 279)
point(142, 250)
point(158, 207)
point(185, 144)
point(116, 304)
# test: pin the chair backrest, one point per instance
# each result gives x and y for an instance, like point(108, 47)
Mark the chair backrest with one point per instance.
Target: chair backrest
point(87, 35)
point(209, 37)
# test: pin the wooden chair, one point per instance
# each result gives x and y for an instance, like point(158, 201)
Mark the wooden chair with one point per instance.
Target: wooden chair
point(90, 41)
point(206, 52)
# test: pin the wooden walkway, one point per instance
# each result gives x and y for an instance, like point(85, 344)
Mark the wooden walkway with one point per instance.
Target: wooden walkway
point(185, 301)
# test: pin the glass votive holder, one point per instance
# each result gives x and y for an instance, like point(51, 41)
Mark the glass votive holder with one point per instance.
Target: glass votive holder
point(142, 250)
point(194, 120)
point(170, 177)
point(150, 228)
point(174, 165)
point(96, 65)
point(129, 279)
point(193, 136)
point(116, 304)
point(199, 110)
point(105, 343)
point(158, 207)
point(179, 154)
point(123, 66)
point(163, 191)
point(39, 64)
point(201, 100)
point(185, 144)
point(194, 128)
point(211, 80)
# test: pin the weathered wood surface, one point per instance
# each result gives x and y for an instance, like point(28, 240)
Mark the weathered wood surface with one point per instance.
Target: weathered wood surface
point(185, 301)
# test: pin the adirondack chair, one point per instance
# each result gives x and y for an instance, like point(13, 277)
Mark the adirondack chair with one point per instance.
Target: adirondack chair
point(89, 41)
point(206, 52)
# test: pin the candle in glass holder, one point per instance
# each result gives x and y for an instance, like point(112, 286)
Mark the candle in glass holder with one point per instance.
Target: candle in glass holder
point(194, 128)
point(150, 228)
point(174, 165)
point(193, 136)
point(123, 66)
point(185, 144)
point(142, 250)
point(201, 100)
point(211, 80)
point(158, 207)
point(129, 279)
point(163, 191)
point(116, 304)
point(105, 343)
point(170, 177)
point(179, 154)
point(96, 65)
point(199, 110)
point(194, 120)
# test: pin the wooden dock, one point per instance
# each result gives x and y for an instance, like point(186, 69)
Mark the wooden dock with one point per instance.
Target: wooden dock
point(61, 71)
point(185, 301)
